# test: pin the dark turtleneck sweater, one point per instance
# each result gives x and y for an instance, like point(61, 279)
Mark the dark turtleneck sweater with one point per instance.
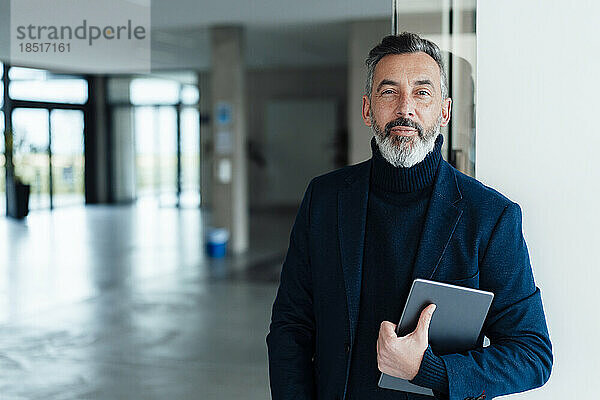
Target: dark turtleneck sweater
point(398, 201)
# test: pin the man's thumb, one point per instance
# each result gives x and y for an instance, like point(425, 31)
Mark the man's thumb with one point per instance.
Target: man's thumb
point(425, 320)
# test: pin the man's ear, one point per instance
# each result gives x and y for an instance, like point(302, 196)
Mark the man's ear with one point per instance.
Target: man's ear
point(446, 111)
point(366, 110)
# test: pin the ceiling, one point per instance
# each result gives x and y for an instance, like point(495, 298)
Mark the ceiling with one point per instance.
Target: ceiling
point(204, 13)
point(266, 46)
point(278, 33)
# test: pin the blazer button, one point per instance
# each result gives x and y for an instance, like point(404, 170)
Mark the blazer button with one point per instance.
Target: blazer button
point(347, 348)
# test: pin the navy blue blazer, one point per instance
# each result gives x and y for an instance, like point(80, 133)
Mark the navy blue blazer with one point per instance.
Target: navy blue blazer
point(472, 237)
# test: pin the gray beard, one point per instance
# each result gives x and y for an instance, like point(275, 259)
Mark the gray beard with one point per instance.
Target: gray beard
point(401, 151)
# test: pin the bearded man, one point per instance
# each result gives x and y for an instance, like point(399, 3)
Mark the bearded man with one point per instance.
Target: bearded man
point(365, 232)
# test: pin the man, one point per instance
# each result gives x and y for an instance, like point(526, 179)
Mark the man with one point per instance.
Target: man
point(365, 232)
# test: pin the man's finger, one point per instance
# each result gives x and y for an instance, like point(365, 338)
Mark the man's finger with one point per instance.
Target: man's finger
point(424, 321)
point(388, 329)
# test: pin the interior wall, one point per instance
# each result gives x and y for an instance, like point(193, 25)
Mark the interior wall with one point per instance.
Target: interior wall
point(299, 145)
point(269, 85)
point(537, 142)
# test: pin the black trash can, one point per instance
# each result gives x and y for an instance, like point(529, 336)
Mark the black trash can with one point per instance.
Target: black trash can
point(18, 200)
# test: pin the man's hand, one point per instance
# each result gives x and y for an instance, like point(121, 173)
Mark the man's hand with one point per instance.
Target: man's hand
point(401, 356)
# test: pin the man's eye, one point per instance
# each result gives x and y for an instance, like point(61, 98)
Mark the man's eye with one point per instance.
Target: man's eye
point(388, 91)
point(423, 92)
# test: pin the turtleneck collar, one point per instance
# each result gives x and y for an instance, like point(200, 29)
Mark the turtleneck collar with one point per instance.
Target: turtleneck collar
point(400, 179)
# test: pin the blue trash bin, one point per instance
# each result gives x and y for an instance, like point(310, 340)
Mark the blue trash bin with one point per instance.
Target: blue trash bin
point(216, 242)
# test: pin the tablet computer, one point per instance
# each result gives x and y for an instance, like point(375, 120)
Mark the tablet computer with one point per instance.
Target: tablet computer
point(455, 326)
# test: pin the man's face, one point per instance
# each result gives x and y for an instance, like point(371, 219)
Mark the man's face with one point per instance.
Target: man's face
point(406, 109)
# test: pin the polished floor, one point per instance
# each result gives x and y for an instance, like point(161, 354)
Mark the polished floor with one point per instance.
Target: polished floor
point(120, 302)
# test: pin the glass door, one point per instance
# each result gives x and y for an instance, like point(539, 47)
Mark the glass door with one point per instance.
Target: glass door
point(31, 156)
point(166, 138)
point(67, 157)
point(144, 153)
point(190, 157)
point(451, 25)
point(156, 154)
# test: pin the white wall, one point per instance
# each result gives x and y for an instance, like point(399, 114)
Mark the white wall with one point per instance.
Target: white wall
point(537, 142)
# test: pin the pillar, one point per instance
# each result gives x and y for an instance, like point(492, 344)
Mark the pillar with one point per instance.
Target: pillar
point(229, 168)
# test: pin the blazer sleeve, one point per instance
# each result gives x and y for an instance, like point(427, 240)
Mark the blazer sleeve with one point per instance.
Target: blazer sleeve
point(291, 338)
point(519, 357)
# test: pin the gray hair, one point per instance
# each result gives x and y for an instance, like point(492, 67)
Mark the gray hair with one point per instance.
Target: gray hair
point(405, 42)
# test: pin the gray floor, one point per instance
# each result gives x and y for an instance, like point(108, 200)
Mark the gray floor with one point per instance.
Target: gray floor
point(120, 303)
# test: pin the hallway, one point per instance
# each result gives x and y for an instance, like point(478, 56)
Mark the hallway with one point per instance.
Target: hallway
point(120, 303)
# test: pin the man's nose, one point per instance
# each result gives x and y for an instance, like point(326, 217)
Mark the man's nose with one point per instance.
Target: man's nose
point(406, 106)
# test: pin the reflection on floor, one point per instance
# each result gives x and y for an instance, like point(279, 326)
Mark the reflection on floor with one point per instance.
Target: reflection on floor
point(120, 303)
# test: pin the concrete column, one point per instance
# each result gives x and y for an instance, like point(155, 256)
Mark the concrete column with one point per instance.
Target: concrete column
point(227, 83)
point(206, 140)
point(122, 145)
point(96, 144)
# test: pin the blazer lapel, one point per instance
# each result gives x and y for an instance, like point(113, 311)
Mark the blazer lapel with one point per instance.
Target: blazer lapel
point(352, 214)
point(442, 217)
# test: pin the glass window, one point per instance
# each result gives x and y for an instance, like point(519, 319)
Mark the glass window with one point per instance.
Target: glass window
point(67, 157)
point(167, 141)
point(156, 153)
point(39, 85)
point(456, 36)
point(190, 157)
point(153, 91)
point(2, 167)
point(30, 153)
point(190, 94)
point(1, 87)
point(154, 101)
point(144, 148)
point(2, 130)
